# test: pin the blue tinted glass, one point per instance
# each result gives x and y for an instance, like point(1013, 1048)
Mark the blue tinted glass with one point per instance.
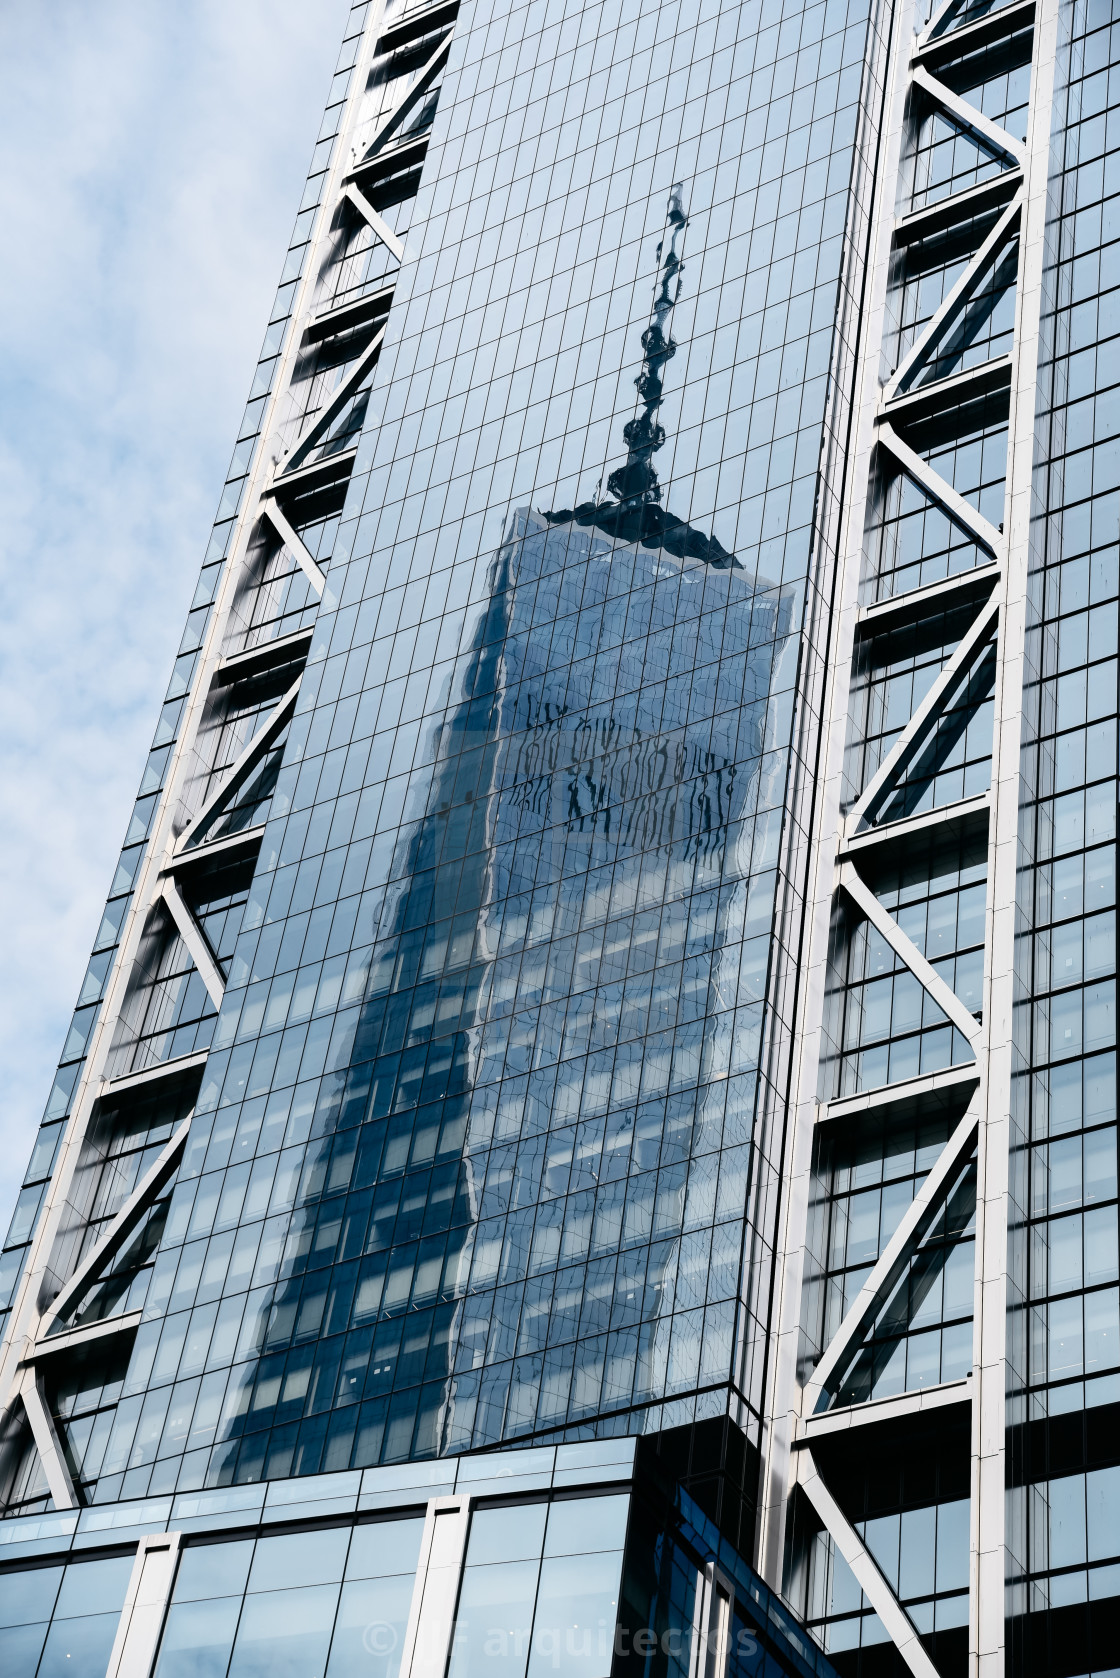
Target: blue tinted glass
point(21, 1648)
point(384, 1548)
point(494, 1620)
point(511, 1534)
point(79, 1648)
point(369, 1631)
point(197, 1639)
point(578, 1525)
point(93, 1586)
point(577, 1606)
point(299, 1558)
point(207, 1570)
point(285, 1634)
point(28, 1596)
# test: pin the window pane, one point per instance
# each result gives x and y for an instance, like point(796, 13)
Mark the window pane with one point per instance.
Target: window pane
point(586, 1523)
point(372, 1617)
point(299, 1558)
point(384, 1548)
point(577, 1605)
point(507, 1534)
point(207, 1570)
point(285, 1634)
point(21, 1647)
point(28, 1596)
point(494, 1620)
point(198, 1639)
point(92, 1587)
point(79, 1648)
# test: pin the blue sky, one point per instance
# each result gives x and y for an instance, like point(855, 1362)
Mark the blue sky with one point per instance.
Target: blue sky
point(153, 161)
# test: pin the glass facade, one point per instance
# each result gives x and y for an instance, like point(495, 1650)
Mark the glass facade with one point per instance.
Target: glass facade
point(560, 992)
point(1064, 1317)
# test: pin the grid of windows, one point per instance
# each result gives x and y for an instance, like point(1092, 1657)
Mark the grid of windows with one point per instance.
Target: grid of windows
point(472, 1149)
point(1065, 1305)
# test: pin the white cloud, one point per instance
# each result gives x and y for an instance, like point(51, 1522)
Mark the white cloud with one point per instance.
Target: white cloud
point(153, 163)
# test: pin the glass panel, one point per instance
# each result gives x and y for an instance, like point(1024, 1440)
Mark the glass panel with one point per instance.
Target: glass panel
point(79, 1648)
point(495, 1619)
point(285, 1634)
point(369, 1633)
point(198, 1638)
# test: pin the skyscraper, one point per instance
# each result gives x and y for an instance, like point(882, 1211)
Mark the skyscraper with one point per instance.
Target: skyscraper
point(588, 1140)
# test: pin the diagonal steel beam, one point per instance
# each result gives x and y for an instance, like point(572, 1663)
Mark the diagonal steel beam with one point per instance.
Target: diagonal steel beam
point(939, 14)
point(378, 223)
point(913, 736)
point(899, 1626)
point(195, 939)
point(151, 1183)
point(907, 951)
point(331, 410)
point(405, 103)
point(958, 298)
point(244, 764)
point(967, 116)
point(291, 538)
point(896, 1255)
point(939, 490)
point(47, 1442)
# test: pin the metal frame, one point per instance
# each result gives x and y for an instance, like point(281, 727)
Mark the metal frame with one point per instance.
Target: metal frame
point(40, 1298)
point(711, 1623)
point(797, 1414)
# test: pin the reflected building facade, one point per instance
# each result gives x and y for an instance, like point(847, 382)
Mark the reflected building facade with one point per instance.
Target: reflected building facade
point(588, 1137)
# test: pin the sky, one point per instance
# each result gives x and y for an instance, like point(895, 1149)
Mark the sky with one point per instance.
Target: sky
point(152, 159)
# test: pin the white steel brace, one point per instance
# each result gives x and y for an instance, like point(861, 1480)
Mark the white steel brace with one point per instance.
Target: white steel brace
point(145, 1606)
point(957, 300)
point(103, 1328)
point(891, 1264)
point(405, 103)
point(927, 714)
point(843, 1418)
point(195, 940)
point(966, 35)
point(899, 1626)
point(962, 512)
point(378, 223)
point(967, 116)
point(46, 1439)
point(855, 844)
point(243, 765)
point(915, 600)
point(926, 1084)
point(291, 538)
point(121, 1227)
point(908, 952)
point(330, 410)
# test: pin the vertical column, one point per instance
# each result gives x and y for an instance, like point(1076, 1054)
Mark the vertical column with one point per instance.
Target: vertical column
point(988, 1537)
point(435, 1595)
point(141, 1622)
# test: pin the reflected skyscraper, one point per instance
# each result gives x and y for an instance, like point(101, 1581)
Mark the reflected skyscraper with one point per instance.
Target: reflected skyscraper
point(588, 1143)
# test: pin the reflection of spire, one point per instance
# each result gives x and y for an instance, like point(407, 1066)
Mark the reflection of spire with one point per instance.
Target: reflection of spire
point(636, 513)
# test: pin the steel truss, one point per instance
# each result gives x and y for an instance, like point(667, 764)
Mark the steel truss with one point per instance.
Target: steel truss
point(54, 1281)
point(802, 1409)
